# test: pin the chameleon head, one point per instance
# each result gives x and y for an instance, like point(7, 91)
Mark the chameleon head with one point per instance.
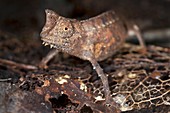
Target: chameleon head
point(56, 31)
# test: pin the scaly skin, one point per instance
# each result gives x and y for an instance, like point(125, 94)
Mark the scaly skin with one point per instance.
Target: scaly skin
point(94, 39)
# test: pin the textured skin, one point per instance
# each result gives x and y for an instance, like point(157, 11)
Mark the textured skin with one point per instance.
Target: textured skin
point(94, 39)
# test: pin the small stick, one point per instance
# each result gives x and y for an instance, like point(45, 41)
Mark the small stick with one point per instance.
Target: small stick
point(19, 65)
point(5, 79)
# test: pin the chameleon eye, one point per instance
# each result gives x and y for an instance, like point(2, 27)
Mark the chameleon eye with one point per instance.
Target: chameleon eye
point(66, 28)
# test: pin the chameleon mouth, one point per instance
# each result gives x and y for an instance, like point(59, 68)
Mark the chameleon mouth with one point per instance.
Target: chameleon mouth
point(50, 44)
point(60, 44)
point(55, 45)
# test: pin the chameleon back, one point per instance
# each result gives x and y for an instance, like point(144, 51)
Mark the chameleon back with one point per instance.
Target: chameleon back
point(108, 33)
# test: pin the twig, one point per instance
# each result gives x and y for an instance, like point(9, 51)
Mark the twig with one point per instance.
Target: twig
point(5, 79)
point(141, 65)
point(19, 65)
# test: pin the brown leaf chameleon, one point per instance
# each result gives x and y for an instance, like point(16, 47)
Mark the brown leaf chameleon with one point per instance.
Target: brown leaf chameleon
point(94, 39)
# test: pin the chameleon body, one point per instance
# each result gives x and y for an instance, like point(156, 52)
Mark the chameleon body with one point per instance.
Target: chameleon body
point(98, 37)
point(94, 39)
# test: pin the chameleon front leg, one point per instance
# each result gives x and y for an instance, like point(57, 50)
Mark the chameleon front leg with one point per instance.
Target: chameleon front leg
point(104, 80)
point(47, 58)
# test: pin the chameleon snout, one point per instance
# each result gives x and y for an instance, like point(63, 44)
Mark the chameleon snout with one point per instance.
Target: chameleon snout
point(43, 34)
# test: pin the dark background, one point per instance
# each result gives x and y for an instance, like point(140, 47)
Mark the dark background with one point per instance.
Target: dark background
point(25, 18)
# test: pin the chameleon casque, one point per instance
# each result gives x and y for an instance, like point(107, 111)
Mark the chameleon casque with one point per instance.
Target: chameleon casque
point(93, 39)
